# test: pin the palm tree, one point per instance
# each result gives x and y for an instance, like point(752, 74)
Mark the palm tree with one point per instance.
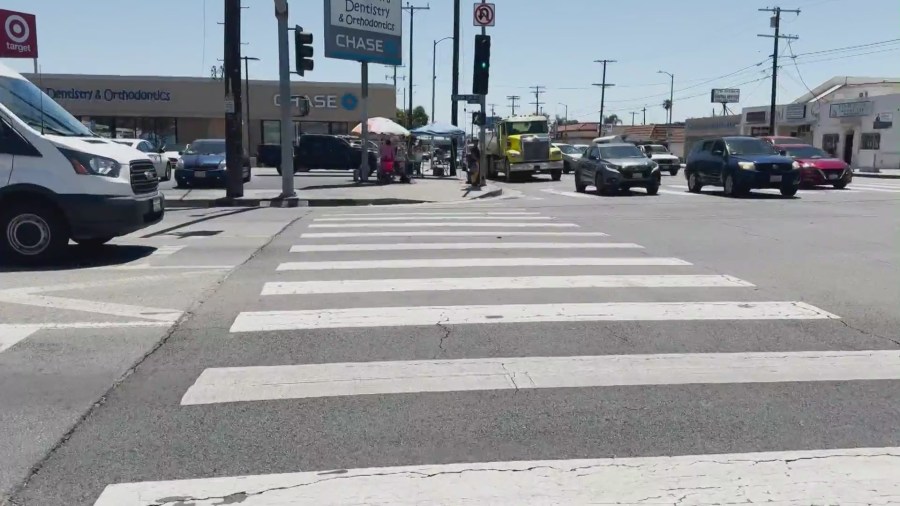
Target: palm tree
point(612, 119)
point(667, 105)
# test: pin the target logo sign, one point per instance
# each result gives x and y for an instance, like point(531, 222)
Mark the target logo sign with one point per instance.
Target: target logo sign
point(18, 35)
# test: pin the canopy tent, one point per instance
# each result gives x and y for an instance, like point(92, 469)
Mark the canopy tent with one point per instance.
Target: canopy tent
point(383, 127)
point(439, 130)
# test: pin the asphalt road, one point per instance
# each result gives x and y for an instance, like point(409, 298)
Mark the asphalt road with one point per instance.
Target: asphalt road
point(265, 178)
point(754, 341)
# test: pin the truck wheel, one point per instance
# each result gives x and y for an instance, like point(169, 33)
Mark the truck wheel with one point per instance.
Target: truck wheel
point(32, 233)
point(556, 175)
point(506, 171)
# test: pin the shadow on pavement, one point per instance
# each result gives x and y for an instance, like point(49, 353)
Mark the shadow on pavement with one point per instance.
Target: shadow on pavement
point(80, 257)
point(752, 195)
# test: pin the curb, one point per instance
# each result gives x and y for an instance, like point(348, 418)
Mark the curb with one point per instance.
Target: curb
point(296, 202)
point(876, 175)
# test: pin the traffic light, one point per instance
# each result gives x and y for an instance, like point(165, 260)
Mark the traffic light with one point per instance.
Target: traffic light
point(303, 50)
point(481, 73)
point(478, 118)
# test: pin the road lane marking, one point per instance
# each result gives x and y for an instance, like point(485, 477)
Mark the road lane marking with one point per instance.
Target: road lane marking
point(444, 263)
point(473, 233)
point(318, 248)
point(262, 321)
point(432, 214)
point(12, 334)
point(425, 218)
point(836, 476)
point(876, 189)
point(501, 283)
point(164, 251)
point(474, 224)
point(680, 194)
point(567, 194)
point(269, 383)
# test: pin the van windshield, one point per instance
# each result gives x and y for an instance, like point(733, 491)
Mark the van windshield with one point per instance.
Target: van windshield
point(38, 110)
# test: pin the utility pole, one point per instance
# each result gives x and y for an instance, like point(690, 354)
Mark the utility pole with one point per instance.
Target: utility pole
point(671, 94)
point(537, 98)
point(247, 59)
point(644, 110)
point(512, 99)
point(603, 85)
point(234, 153)
point(633, 114)
point(412, 23)
point(454, 107)
point(492, 109)
point(776, 24)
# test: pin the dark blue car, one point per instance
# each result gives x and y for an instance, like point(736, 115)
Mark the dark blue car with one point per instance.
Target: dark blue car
point(740, 164)
point(203, 164)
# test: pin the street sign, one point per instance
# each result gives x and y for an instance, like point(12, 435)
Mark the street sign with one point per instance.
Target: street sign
point(364, 30)
point(472, 99)
point(483, 15)
point(18, 35)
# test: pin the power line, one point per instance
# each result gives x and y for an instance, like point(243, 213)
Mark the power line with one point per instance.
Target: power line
point(776, 24)
point(848, 48)
point(512, 99)
point(538, 90)
point(603, 85)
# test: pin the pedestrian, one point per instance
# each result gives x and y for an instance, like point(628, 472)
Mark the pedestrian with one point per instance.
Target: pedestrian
point(473, 160)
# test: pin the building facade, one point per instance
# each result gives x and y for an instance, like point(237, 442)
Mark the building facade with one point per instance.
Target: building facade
point(176, 110)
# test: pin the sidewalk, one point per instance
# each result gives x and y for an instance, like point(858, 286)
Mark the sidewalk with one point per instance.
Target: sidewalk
point(881, 174)
point(348, 194)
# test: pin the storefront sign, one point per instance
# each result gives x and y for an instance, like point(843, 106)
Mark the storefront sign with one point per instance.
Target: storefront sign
point(364, 30)
point(795, 111)
point(757, 117)
point(884, 120)
point(712, 125)
point(18, 35)
point(850, 109)
point(346, 101)
point(726, 95)
point(109, 95)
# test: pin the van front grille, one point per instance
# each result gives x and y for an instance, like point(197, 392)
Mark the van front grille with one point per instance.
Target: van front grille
point(143, 177)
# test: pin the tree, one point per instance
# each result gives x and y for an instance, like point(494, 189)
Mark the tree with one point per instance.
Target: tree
point(667, 105)
point(560, 120)
point(419, 118)
point(612, 119)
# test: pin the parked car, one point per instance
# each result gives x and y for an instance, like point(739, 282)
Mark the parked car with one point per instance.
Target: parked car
point(570, 154)
point(739, 164)
point(616, 166)
point(172, 152)
point(663, 157)
point(203, 163)
point(316, 151)
point(160, 164)
point(818, 167)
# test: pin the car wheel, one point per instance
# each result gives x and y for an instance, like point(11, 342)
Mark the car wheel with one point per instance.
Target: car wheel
point(566, 168)
point(32, 233)
point(653, 188)
point(93, 242)
point(167, 175)
point(694, 185)
point(730, 186)
point(673, 172)
point(788, 190)
point(580, 187)
point(840, 185)
point(598, 184)
point(556, 175)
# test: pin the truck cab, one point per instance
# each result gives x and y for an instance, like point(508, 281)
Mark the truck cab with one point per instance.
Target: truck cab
point(521, 146)
point(59, 181)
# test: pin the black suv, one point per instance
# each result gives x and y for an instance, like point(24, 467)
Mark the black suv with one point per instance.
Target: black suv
point(314, 151)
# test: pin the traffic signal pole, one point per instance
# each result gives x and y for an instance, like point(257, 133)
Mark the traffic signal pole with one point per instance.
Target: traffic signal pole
point(234, 152)
point(284, 92)
point(482, 141)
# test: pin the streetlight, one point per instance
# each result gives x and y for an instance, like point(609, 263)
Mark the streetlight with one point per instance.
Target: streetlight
point(434, 71)
point(671, 91)
point(566, 119)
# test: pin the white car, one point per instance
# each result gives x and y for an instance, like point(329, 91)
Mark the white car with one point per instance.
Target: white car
point(173, 152)
point(660, 154)
point(160, 162)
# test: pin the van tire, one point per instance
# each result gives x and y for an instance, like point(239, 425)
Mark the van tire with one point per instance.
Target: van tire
point(37, 216)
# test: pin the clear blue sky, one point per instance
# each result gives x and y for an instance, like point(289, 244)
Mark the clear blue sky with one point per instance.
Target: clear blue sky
point(535, 42)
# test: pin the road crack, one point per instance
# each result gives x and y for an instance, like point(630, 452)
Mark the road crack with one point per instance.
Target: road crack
point(870, 334)
point(447, 330)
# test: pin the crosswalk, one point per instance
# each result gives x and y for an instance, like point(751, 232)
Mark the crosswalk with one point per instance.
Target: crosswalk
point(498, 269)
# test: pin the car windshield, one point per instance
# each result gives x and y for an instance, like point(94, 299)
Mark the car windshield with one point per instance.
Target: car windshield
point(613, 152)
point(38, 110)
point(655, 148)
point(216, 147)
point(582, 148)
point(806, 152)
point(174, 147)
point(568, 149)
point(749, 147)
point(527, 127)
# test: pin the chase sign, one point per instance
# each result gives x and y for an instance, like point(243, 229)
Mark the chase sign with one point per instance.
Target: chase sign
point(364, 31)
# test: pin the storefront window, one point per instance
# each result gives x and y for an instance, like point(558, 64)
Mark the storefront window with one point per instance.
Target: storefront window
point(871, 141)
point(271, 131)
point(314, 127)
point(102, 126)
point(126, 128)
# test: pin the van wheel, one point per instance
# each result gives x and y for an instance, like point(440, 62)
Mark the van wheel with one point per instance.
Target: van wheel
point(32, 233)
point(694, 185)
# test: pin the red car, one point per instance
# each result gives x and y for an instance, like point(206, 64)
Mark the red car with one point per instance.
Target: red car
point(818, 167)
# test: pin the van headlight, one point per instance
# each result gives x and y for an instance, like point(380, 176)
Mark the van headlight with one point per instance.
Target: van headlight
point(796, 165)
point(91, 165)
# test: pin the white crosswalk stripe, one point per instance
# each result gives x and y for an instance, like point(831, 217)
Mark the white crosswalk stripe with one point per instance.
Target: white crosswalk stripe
point(371, 256)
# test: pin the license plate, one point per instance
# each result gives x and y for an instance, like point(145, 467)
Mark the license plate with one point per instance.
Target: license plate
point(199, 173)
point(157, 205)
point(636, 175)
point(833, 176)
point(775, 179)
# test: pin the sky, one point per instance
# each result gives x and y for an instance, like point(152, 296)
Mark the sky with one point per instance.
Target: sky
point(704, 43)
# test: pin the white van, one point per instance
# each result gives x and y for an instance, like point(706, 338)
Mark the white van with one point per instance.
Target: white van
point(59, 181)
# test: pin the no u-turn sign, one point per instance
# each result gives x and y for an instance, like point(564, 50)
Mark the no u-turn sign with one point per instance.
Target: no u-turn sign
point(484, 14)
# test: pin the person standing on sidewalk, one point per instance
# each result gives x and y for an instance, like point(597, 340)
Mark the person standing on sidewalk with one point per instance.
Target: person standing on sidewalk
point(473, 160)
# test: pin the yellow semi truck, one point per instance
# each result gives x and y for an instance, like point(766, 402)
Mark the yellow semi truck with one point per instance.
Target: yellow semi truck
point(519, 146)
